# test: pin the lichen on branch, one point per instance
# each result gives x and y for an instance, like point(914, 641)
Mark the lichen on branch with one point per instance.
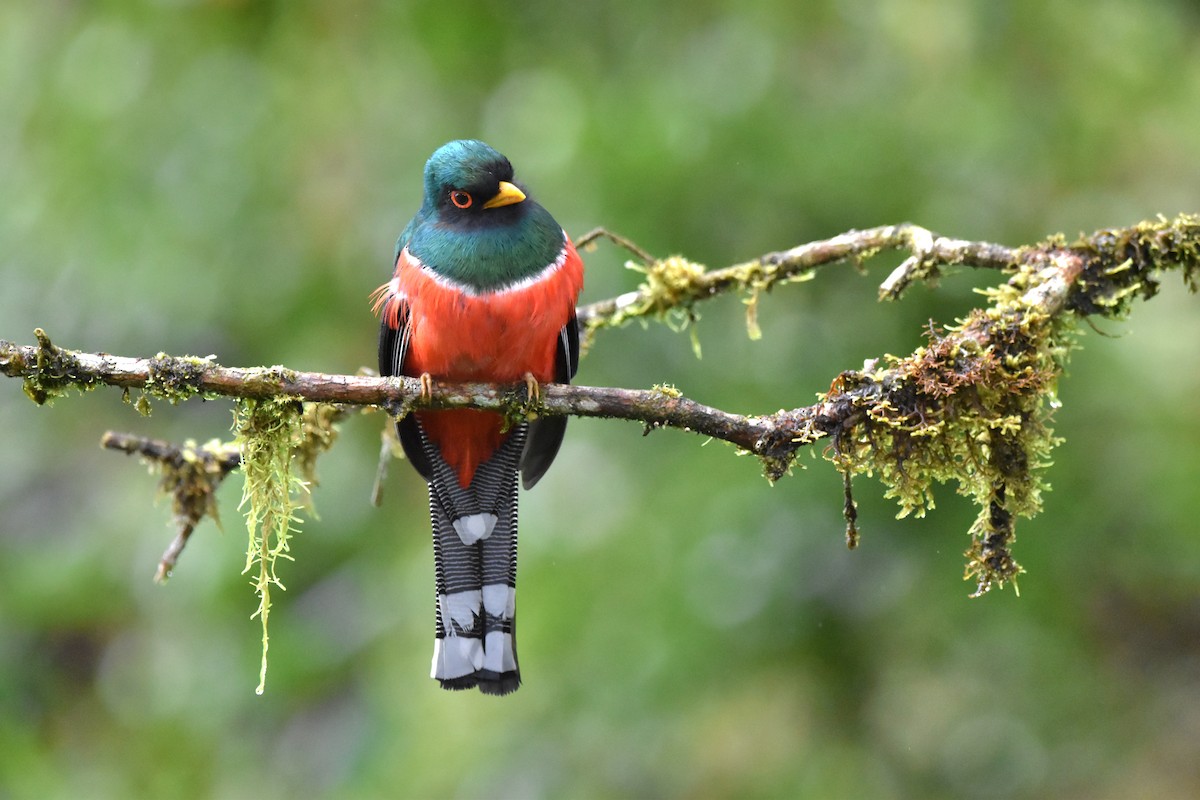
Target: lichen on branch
point(973, 406)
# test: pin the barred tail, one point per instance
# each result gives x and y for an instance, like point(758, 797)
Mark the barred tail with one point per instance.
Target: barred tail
point(475, 559)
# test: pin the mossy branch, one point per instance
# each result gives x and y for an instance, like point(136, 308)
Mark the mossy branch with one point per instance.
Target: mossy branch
point(190, 474)
point(674, 285)
point(972, 406)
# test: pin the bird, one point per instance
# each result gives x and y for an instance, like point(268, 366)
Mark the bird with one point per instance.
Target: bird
point(484, 288)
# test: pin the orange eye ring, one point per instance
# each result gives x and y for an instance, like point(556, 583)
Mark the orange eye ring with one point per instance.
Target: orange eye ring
point(461, 199)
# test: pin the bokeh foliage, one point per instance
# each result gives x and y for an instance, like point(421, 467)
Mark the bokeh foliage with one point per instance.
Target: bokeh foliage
point(229, 177)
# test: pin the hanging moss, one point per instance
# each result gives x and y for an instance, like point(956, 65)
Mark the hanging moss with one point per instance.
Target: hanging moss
point(317, 433)
point(267, 432)
point(973, 406)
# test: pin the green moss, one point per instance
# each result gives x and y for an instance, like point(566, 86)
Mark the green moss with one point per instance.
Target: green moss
point(972, 406)
point(669, 289)
point(753, 330)
point(267, 432)
point(175, 378)
point(191, 481)
point(142, 404)
point(674, 285)
point(317, 433)
point(1121, 265)
point(57, 372)
point(270, 379)
point(190, 475)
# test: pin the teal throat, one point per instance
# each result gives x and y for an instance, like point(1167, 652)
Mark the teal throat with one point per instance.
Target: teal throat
point(493, 256)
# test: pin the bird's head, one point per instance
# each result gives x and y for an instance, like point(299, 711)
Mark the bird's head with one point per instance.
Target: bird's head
point(466, 179)
point(476, 225)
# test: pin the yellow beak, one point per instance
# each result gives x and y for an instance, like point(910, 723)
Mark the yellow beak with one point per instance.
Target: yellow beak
point(507, 195)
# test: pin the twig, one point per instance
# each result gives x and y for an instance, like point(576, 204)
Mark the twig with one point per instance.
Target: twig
point(588, 241)
point(190, 475)
point(928, 249)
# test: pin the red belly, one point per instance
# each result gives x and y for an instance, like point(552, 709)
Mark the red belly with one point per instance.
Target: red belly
point(496, 338)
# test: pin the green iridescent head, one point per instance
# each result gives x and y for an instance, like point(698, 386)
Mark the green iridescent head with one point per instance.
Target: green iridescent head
point(476, 225)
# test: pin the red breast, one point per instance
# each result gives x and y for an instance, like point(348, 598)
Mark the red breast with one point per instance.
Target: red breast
point(496, 337)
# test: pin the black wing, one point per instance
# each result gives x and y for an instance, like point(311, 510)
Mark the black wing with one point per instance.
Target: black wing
point(393, 347)
point(546, 433)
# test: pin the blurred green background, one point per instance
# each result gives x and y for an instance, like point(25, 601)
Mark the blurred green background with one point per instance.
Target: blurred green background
point(229, 178)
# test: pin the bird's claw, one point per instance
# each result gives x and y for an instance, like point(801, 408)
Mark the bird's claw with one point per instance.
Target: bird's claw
point(426, 387)
point(533, 391)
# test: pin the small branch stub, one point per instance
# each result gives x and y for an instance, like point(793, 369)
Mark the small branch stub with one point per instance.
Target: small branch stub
point(190, 477)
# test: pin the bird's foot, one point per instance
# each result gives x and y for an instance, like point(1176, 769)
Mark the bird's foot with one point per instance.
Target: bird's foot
point(533, 391)
point(426, 387)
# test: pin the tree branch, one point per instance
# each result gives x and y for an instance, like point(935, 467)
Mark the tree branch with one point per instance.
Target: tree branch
point(675, 283)
point(190, 475)
point(1054, 282)
point(972, 406)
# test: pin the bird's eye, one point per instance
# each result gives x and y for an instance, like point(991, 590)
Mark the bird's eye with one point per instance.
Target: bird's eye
point(461, 199)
